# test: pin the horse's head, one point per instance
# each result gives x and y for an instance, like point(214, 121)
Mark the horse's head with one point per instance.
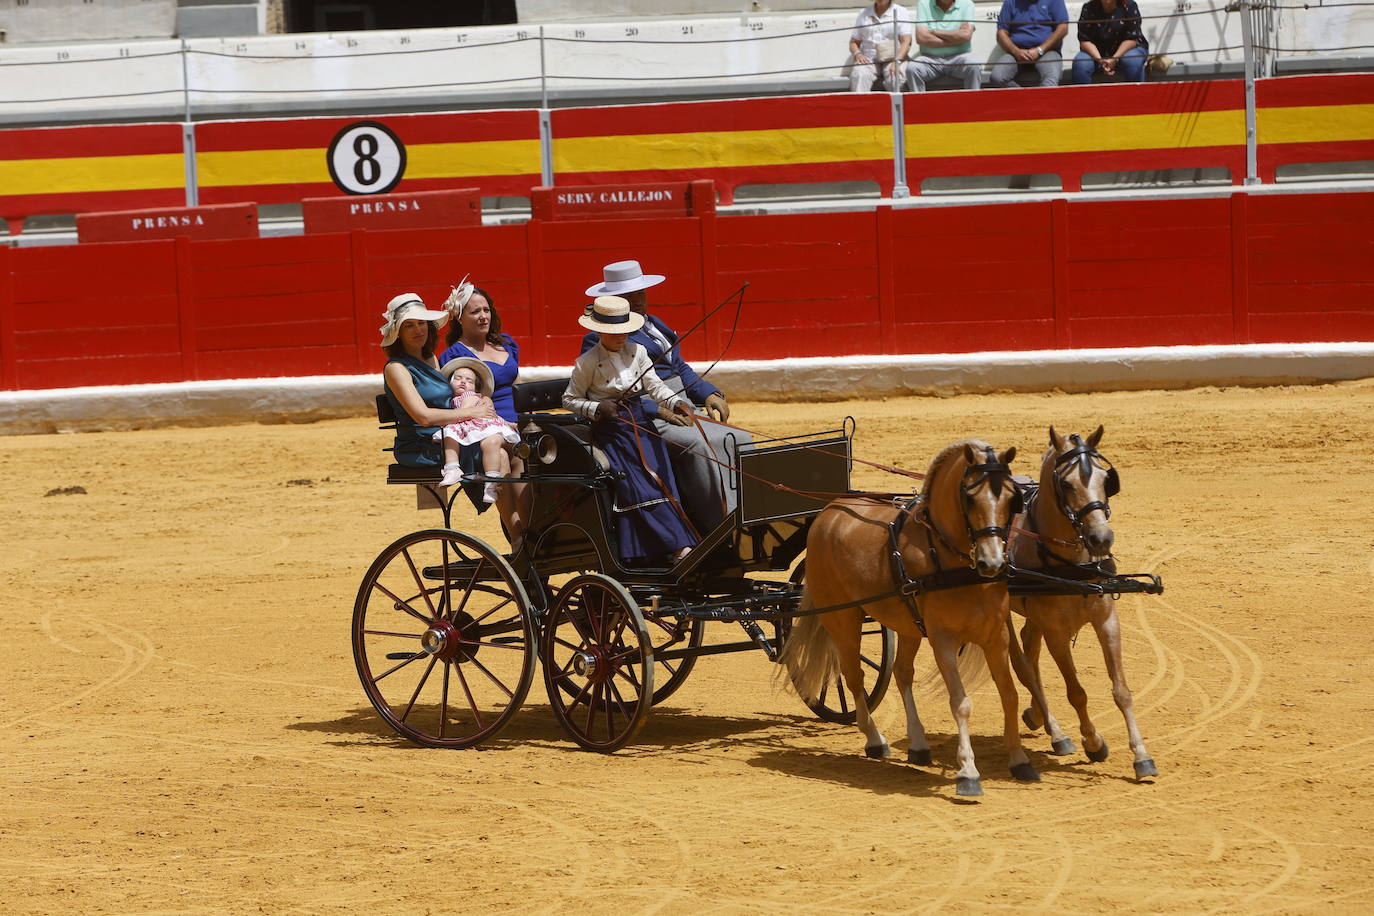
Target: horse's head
point(1082, 482)
point(990, 500)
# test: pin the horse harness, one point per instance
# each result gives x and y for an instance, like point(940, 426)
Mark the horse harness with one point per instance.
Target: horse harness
point(1085, 458)
point(995, 474)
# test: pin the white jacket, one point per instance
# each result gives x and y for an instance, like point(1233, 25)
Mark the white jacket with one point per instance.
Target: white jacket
point(601, 374)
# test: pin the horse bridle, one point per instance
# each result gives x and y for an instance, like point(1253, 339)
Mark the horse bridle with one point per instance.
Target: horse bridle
point(1086, 458)
point(995, 474)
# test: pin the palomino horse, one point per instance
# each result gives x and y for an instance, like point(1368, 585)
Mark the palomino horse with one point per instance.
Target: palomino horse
point(947, 549)
point(1071, 538)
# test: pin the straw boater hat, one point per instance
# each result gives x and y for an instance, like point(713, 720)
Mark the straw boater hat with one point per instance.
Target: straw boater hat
point(623, 277)
point(611, 315)
point(484, 377)
point(402, 308)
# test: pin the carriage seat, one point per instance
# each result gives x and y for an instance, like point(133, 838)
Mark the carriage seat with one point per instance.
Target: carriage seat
point(533, 403)
point(400, 473)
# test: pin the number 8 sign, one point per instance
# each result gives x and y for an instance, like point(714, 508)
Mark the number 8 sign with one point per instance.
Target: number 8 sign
point(366, 158)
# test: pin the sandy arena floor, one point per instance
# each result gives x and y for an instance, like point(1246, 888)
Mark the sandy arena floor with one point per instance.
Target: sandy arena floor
point(183, 729)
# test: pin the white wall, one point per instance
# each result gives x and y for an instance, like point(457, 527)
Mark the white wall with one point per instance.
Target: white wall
point(72, 20)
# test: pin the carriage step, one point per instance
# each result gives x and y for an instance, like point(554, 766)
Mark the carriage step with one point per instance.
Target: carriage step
point(402, 656)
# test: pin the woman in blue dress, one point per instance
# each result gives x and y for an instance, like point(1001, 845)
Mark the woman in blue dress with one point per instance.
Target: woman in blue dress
point(476, 332)
point(419, 393)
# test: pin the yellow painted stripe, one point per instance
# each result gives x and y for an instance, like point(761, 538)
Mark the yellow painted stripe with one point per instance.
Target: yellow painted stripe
point(721, 149)
point(1315, 124)
point(423, 160)
point(1076, 135)
point(88, 174)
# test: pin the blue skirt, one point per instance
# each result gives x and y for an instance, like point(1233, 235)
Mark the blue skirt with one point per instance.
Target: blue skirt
point(647, 524)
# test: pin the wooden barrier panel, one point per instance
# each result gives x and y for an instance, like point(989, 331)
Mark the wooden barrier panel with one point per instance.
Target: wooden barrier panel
point(288, 160)
point(1308, 119)
point(842, 137)
point(609, 201)
point(1074, 130)
point(80, 169)
point(1038, 275)
point(226, 221)
point(416, 210)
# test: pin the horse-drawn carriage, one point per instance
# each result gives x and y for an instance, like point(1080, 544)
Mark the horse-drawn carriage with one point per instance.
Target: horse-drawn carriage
point(447, 629)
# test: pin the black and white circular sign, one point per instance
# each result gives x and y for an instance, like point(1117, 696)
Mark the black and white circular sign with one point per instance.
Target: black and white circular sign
point(366, 158)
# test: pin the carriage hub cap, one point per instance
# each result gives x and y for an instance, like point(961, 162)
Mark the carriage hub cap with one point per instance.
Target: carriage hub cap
point(584, 663)
point(433, 641)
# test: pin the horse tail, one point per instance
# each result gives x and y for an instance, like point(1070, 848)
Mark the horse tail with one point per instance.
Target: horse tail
point(973, 671)
point(809, 655)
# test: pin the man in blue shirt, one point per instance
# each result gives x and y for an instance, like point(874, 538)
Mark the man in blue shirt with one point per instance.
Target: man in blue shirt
point(1031, 32)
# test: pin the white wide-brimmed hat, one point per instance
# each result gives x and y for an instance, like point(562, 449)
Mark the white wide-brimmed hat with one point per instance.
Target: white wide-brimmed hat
point(483, 371)
point(402, 308)
point(623, 277)
point(611, 315)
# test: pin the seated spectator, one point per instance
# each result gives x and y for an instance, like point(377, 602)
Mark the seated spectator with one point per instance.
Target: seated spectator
point(1110, 40)
point(1031, 32)
point(944, 32)
point(878, 47)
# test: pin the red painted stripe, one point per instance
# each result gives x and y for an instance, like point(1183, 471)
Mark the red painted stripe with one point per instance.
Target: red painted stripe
point(837, 110)
point(1326, 89)
point(1182, 99)
point(109, 140)
point(91, 202)
point(490, 185)
point(302, 133)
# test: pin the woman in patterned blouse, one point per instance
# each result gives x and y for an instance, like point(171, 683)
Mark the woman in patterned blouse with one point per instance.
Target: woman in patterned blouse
point(1110, 40)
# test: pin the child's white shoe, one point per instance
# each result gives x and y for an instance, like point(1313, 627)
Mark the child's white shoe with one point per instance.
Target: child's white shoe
point(453, 474)
point(489, 494)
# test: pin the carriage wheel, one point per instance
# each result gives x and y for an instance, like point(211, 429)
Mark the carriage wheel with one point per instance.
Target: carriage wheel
point(877, 650)
point(669, 675)
point(443, 638)
point(598, 662)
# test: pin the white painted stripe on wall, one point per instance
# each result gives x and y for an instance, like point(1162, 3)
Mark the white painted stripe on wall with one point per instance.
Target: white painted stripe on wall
point(310, 398)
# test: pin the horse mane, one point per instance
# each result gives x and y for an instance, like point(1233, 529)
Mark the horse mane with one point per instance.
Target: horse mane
point(944, 457)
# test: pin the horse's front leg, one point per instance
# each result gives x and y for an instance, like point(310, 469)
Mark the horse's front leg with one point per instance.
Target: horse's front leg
point(1109, 635)
point(1039, 710)
point(1057, 641)
point(904, 671)
point(999, 667)
point(847, 632)
point(967, 781)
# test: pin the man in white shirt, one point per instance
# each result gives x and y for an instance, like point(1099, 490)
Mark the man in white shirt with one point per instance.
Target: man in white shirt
point(878, 47)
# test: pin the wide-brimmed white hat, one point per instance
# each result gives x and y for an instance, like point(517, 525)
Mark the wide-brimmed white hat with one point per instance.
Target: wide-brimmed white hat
point(611, 315)
point(476, 365)
point(402, 308)
point(623, 277)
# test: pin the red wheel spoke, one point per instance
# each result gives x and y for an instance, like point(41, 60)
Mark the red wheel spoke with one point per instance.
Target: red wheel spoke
point(843, 695)
point(443, 704)
point(491, 677)
point(567, 645)
point(418, 687)
point(610, 713)
point(419, 582)
point(591, 709)
point(580, 694)
point(509, 599)
point(620, 701)
point(494, 645)
point(598, 622)
point(467, 593)
point(396, 668)
point(403, 604)
point(587, 638)
point(472, 704)
point(389, 633)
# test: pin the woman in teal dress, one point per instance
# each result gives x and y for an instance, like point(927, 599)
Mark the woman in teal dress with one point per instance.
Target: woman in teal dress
point(419, 393)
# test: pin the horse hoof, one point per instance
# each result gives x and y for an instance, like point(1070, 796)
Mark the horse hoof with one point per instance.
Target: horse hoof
point(968, 785)
point(878, 752)
point(1064, 746)
point(919, 757)
point(1024, 772)
point(1145, 768)
point(1028, 716)
point(1100, 754)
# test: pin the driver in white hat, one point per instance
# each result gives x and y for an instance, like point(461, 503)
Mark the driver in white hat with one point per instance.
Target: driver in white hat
point(703, 482)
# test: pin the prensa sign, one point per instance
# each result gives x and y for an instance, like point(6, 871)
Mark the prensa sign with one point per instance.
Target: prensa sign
point(422, 209)
point(222, 221)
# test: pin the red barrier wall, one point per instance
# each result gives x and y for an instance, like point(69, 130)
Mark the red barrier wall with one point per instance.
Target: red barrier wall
point(1018, 276)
